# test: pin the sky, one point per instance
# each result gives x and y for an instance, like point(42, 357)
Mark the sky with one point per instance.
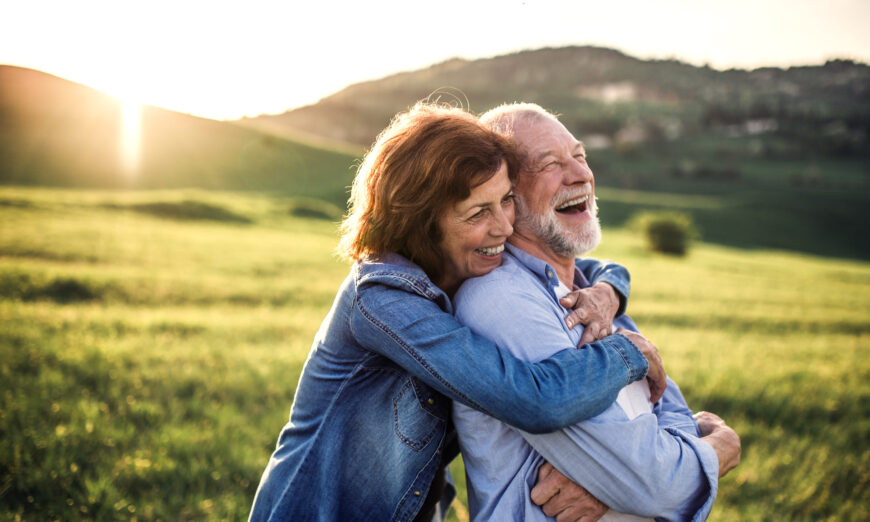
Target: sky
point(225, 60)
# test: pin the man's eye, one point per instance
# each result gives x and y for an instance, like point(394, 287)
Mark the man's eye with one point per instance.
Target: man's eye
point(550, 165)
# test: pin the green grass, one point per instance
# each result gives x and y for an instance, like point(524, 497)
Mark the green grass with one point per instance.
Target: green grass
point(148, 362)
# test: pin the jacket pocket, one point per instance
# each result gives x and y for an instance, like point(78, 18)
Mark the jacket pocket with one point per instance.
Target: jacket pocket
point(414, 425)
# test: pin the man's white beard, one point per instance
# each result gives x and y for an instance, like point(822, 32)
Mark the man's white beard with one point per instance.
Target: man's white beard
point(562, 241)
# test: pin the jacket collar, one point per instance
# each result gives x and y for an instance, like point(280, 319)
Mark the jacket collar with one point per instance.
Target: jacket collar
point(394, 270)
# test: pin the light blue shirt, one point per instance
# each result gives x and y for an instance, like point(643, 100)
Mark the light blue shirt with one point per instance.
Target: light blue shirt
point(648, 464)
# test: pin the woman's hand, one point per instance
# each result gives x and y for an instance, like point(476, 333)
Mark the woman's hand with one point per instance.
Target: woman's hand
point(593, 307)
point(724, 440)
point(563, 499)
point(656, 375)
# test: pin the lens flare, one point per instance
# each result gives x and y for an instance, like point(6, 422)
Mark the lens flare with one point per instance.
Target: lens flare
point(131, 136)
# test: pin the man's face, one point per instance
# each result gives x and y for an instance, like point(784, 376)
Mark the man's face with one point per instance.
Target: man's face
point(555, 190)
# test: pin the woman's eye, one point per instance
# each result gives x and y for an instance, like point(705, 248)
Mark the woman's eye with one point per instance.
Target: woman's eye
point(477, 215)
point(509, 199)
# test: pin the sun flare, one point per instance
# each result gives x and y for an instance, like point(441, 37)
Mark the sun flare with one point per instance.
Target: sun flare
point(131, 135)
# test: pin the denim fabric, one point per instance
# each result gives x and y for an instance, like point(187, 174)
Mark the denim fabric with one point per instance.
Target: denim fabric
point(370, 424)
point(638, 459)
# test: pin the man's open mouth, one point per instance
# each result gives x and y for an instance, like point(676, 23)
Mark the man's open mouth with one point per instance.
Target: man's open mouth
point(573, 206)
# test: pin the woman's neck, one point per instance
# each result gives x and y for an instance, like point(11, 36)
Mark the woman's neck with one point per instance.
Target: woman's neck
point(448, 285)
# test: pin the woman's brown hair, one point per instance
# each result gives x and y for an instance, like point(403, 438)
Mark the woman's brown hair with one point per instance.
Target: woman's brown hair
point(427, 159)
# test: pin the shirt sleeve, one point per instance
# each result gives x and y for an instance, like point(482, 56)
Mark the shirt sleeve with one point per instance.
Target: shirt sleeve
point(673, 412)
point(635, 466)
point(609, 272)
point(572, 385)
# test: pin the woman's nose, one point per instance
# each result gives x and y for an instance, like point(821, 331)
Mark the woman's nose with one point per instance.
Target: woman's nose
point(503, 223)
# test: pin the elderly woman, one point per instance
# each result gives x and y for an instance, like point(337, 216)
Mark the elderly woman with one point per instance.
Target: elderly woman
point(369, 434)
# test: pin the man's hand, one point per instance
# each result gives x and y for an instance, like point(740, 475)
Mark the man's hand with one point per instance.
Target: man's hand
point(724, 440)
point(563, 499)
point(656, 375)
point(594, 308)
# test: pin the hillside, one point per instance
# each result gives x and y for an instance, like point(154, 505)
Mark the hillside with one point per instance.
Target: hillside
point(778, 158)
point(618, 98)
point(54, 132)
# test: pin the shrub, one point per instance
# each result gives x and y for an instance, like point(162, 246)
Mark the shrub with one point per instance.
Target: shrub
point(59, 289)
point(314, 208)
point(666, 232)
point(184, 210)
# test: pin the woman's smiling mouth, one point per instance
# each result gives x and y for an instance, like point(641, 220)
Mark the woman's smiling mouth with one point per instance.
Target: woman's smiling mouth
point(491, 251)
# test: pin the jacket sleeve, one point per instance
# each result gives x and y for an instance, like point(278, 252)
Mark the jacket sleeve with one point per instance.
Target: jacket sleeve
point(609, 272)
point(572, 385)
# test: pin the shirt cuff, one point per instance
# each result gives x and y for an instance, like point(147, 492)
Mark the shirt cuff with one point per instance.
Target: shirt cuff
point(634, 359)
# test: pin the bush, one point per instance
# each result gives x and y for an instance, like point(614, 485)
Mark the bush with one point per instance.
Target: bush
point(185, 210)
point(63, 290)
point(314, 208)
point(666, 232)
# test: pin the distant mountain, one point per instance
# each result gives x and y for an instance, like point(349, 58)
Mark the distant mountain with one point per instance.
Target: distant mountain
point(58, 133)
point(616, 99)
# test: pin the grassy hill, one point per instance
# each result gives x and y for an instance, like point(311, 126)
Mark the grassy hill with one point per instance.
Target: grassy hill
point(619, 99)
point(785, 153)
point(54, 132)
point(150, 349)
point(765, 159)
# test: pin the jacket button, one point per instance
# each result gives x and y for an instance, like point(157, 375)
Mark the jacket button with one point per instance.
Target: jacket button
point(431, 400)
point(416, 493)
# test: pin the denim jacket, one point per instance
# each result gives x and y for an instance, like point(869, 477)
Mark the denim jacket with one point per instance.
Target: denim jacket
point(370, 425)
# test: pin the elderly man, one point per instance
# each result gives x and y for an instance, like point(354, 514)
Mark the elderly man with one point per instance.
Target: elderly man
point(640, 460)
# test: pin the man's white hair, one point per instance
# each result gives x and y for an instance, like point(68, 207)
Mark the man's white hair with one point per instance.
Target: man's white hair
point(507, 118)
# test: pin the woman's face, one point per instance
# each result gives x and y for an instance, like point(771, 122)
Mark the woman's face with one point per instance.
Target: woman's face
point(475, 229)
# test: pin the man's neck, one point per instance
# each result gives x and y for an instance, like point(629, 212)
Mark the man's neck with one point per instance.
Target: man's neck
point(564, 266)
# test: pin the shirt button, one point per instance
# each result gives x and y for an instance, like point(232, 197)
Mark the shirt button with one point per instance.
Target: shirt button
point(550, 273)
point(431, 400)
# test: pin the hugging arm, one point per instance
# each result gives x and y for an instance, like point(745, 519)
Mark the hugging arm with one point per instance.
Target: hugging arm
point(419, 336)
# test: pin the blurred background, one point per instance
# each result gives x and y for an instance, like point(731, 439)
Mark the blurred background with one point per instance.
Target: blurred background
point(172, 176)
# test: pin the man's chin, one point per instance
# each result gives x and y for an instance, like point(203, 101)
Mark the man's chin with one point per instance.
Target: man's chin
point(588, 239)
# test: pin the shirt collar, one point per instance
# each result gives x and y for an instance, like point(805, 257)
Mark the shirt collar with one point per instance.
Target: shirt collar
point(545, 272)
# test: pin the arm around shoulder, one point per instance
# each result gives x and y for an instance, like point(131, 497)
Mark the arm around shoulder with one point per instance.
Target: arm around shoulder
point(427, 341)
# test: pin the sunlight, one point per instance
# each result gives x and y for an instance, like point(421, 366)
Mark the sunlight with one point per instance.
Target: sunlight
point(131, 136)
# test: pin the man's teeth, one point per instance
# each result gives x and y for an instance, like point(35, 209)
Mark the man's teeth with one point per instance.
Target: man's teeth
point(573, 202)
point(492, 251)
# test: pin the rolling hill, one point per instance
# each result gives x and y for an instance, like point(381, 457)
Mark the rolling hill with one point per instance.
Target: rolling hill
point(768, 158)
point(54, 132)
point(618, 98)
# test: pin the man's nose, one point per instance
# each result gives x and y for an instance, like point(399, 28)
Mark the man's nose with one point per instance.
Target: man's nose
point(579, 172)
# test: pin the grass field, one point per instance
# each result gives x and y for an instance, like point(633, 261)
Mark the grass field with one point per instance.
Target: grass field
point(150, 344)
